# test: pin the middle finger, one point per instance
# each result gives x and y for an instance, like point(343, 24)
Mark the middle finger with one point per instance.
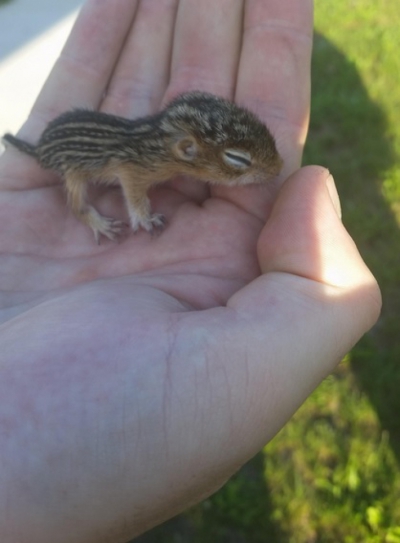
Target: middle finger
point(205, 57)
point(206, 48)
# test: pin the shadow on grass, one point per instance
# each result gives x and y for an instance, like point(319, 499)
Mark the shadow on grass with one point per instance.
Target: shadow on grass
point(239, 513)
point(349, 134)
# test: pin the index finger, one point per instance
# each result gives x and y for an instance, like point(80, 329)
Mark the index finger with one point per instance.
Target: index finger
point(274, 70)
point(274, 82)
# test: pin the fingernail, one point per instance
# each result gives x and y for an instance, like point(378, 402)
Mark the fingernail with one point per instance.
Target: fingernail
point(333, 193)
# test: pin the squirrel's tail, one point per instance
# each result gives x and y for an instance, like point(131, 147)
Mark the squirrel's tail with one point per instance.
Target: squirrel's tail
point(22, 145)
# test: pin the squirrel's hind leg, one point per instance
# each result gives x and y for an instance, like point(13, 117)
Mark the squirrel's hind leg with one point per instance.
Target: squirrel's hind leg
point(76, 187)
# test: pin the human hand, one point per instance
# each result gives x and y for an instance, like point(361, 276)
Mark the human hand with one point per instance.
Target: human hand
point(137, 377)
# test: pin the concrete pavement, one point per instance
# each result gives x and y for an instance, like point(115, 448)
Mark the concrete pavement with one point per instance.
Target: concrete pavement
point(32, 33)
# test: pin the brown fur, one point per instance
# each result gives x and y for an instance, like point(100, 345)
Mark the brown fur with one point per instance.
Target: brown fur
point(197, 134)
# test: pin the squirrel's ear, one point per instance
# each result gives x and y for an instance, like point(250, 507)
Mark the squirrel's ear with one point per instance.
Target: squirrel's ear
point(186, 148)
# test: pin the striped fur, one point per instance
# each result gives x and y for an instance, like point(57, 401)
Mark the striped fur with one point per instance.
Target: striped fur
point(197, 134)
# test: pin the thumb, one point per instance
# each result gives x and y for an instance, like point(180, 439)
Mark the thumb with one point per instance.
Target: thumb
point(314, 301)
point(306, 237)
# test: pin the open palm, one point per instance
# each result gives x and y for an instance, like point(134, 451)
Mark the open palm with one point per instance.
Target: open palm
point(141, 365)
point(211, 237)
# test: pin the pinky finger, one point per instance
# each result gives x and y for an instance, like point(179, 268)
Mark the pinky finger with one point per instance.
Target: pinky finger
point(81, 73)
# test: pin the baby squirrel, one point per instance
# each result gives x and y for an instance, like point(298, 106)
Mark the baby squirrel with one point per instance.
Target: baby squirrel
point(199, 134)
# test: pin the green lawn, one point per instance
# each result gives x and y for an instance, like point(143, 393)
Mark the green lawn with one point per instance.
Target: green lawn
point(333, 474)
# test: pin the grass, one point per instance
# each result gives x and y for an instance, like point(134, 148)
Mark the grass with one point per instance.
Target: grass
point(333, 473)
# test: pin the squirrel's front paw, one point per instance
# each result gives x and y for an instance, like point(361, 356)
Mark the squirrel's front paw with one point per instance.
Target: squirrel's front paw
point(149, 223)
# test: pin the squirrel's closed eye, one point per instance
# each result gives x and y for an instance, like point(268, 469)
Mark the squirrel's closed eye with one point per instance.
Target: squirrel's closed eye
point(237, 159)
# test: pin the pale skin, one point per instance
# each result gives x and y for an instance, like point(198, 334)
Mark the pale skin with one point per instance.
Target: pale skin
point(135, 378)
